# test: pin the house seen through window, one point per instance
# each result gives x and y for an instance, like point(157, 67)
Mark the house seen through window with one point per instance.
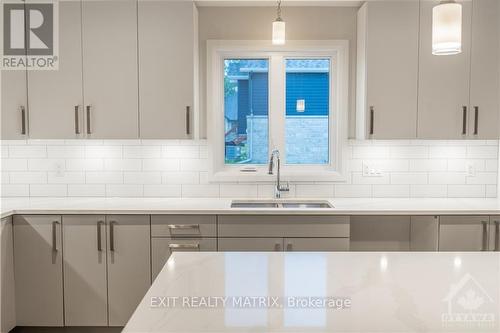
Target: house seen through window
point(305, 111)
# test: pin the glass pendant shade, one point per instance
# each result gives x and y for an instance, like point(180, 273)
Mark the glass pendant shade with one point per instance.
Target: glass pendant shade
point(279, 32)
point(447, 28)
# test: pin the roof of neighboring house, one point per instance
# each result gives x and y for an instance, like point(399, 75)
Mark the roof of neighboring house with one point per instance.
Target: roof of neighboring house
point(240, 67)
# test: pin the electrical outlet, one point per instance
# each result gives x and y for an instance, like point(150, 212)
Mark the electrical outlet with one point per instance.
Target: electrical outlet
point(59, 168)
point(470, 169)
point(370, 171)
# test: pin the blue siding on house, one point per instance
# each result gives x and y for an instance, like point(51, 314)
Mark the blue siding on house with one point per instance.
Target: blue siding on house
point(243, 105)
point(260, 93)
point(311, 87)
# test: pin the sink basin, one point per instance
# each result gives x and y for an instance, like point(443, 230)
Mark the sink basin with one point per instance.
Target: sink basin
point(294, 204)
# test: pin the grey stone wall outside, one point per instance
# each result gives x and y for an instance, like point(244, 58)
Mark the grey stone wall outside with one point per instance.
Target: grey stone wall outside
point(307, 137)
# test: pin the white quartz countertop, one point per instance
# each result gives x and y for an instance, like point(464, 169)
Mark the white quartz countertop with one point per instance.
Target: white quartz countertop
point(342, 206)
point(323, 292)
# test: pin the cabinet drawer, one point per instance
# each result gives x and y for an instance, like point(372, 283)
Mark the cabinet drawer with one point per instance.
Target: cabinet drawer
point(162, 248)
point(316, 244)
point(183, 226)
point(463, 233)
point(251, 244)
point(283, 226)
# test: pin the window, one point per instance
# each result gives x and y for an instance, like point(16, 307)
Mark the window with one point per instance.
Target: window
point(290, 98)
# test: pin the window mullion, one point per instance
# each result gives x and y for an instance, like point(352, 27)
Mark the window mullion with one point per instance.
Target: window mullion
point(277, 105)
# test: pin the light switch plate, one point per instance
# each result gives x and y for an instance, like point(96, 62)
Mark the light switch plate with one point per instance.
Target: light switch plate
point(371, 171)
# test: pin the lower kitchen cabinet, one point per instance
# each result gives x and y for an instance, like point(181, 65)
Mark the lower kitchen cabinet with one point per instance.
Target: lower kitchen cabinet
point(380, 233)
point(85, 285)
point(129, 268)
point(463, 233)
point(424, 233)
point(7, 285)
point(162, 248)
point(106, 268)
point(316, 244)
point(38, 265)
point(250, 244)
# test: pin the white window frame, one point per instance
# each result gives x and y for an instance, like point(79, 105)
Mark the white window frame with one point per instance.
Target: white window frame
point(338, 53)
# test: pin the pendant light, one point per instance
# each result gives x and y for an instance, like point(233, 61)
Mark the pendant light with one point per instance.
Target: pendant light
point(447, 28)
point(279, 27)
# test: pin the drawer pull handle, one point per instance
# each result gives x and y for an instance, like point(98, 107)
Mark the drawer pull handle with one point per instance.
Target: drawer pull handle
point(184, 246)
point(464, 120)
point(112, 236)
point(476, 120)
point(485, 236)
point(497, 235)
point(89, 120)
point(99, 236)
point(289, 247)
point(54, 236)
point(23, 120)
point(188, 120)
point(184, 226)
point(77, 119)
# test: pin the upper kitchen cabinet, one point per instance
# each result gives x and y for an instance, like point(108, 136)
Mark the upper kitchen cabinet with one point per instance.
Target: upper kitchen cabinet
point(443, 97)
point(14, 102)
point(387, 69)
point(55, 96)
point(110, 81)
point(484, 93)
point(167, 68)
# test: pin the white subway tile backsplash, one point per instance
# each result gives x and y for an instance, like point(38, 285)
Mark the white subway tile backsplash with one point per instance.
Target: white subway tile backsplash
point(428, 191)
point(104, 177)
point(86, 190)
point(28, 177)
point(14, 164)
point(171, 191)
point(15, 190)
point(180, 177)
point(179, 168)
point(466, 191)
point(391, 191)
point(124, 190)
point(71, 177)
point(129, 164)
point(142, 177)
point(49, 190)
point(27, 151)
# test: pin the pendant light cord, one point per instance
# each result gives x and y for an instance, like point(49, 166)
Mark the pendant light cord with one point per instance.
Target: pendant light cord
point(278, 11)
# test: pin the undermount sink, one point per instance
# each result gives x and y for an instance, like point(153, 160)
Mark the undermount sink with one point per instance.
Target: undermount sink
point(281, 204)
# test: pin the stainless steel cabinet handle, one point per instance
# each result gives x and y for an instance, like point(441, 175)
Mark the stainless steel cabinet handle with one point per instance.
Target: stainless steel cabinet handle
point(497, 236)
point(23, 120)
point(55, 248)
point(184, 226)
point(277, 247)
point(77, 119)
point(89, 130)
point(184, 246)
point(372, 119)
point(289, 247)
point(112, 236)
point(485, 236)
point(476, 120)
point(188, 120)
point(99, 235)
point(464, 120)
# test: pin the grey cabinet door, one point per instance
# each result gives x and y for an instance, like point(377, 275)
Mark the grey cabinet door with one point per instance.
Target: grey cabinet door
point(85, 288)
point(484, 90)
point(162, 248)
point(55, 96)
point(424, 233)
point(14, 115)
point(316, 244)
point(443, 81)
point(167, 39)
point(463, 233)
point(390, 32)
point(38, 270)
point(110, 69)
point(129, 265)
point(250, 244)
point(7, 284)
point(380, 233)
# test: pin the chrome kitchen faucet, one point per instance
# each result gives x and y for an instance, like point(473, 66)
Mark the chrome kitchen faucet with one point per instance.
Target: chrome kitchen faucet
point(279, 187)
